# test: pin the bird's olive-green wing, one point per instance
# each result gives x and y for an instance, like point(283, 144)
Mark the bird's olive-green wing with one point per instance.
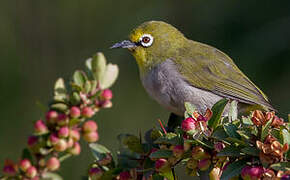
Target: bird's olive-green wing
point(208, 68)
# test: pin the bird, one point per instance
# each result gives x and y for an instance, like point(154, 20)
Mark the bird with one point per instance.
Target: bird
point(174, 69)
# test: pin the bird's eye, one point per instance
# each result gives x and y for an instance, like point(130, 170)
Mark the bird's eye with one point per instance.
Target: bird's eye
point(146, 40)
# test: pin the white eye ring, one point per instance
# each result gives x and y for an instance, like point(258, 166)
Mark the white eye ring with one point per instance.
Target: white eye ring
point(146, 40)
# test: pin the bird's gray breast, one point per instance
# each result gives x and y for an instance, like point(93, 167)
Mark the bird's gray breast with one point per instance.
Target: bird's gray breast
point(167, 86)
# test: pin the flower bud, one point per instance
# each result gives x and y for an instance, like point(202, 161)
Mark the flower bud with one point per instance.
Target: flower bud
point(219, 146)
point(9, 169)
point(107, 94)
point(62, 119)
point(63, 132)
point(76, 149)
point(32, 140)
point(162, 165)
point(91, 137)
point(40, 127)
point(188, 124)
point(31, 172)
point(52, 164)
point(24, 164)
point(178, 151)
point(74, 134)
point(125, 175)
point(90, 126)
point(191, 163)
point(60, 146)
point(75, 112)
point(199, 153)
point(95, 173)
point(53, 138)
point(204, 164)
point(87, 112)
point(51, 117)
point(106, 160)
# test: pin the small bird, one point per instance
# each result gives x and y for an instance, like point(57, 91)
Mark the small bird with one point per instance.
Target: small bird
point(175, 70)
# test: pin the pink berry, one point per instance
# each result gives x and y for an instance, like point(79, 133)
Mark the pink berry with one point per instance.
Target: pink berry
point(188, 124)
point(63, 132)
point(96, 173)
point(87, 112)
point(60, 146)
point(76, 149)
point(91, 136)
point(31, 172)
point(52, 164)
point(90, 126)
point(32, 140)
point(51, 117)
point(75, 112)
point(107, 94)
point(62, 119)
point(161, 165)
point(125, 175)
point(106, 104)
point(53, 138)
point(178, 150)
point(40, 127)
point(252, 172)
point(219, 146)
point(70, 143)
point(24, 164)
point(74, 134)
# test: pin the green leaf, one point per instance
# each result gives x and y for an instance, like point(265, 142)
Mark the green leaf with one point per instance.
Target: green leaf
point(132, 142)
point(230, 151)
point(162, 153)
point(167, 174)
point(99, 151)
point(59, 107)
point(205, 143)
point(277, 133)
point(110, 76)
point(247, 121)
point(236, 140)
point(51, 176)
point(231, 130)
point(217, 110)
point(59, 87)
point(250, 151)
point(87, 87)
point(80, 78)
point(75, 98)
point(233, 110)
point(286, 136)
point(233, 169)
point(265, 130)
point(98, 66)
point(189, 108)
point(220, 133)
point(158, 177)
point(281, 166)
point(169, 138)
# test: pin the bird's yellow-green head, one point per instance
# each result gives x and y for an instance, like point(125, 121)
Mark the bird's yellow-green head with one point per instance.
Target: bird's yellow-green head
point(152, 42)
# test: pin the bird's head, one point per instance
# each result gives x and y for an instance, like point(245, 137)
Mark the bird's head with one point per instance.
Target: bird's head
point(152, 42)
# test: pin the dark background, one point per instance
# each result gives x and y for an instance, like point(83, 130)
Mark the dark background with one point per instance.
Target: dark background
point(41, 40)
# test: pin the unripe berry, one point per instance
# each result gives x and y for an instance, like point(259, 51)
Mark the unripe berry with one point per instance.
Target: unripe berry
point(74, 134)
point(162, 165)
point(31, 172)
point(204, 164)
point(91, 137)
point(90, 126)
point(51, 117)
point(199, 153)
point(60, 146)
point(95, 173)
point(32, 140)
point(53, 138)
point(52, 164)
point(40, 127)
point(188, 124)
point(87, 112)
point(24, 164)
point(75, 112)
point(107, 94)
point(76, 149)
point(63, 132)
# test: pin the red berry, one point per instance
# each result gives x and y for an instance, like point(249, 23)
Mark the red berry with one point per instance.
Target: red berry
point(188, 124)
point(107, 94)
point(31, 172)
point(91, 136)
point(63, 132)
point(75, 112)
point(87, 112)
point(90, 126)
point(51, 116)
point(40, 127)
point(52, 164)
point(24, 164)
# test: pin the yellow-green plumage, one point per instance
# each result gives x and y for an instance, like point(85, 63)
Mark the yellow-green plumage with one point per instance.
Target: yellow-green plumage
point(178, 67)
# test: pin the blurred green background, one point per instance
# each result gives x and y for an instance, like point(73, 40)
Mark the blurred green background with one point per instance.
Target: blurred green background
point(45, 39)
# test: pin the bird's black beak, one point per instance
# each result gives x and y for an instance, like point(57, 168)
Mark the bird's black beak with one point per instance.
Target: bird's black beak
point(124, 44)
